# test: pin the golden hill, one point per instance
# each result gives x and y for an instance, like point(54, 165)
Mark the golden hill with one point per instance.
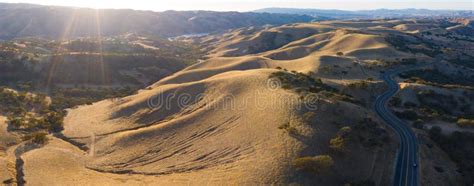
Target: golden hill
point(220, 121)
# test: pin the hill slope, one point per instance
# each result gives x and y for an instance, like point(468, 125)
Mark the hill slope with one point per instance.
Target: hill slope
point(21, 20)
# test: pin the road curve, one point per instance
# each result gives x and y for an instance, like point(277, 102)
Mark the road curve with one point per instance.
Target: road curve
point(406, 167)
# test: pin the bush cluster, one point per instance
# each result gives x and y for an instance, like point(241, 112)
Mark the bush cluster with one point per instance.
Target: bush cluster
point(305, 83)
point(29, 112)
point(39, 138)
point(314, 164)
point(339, 142)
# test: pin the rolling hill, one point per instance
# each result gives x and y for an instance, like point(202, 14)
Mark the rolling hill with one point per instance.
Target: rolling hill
point(371, 14)
point(288, 104)
point(23, 20)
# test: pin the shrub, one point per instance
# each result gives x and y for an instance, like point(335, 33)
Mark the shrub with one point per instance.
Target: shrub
point(337, 143)
point(296, 80)
point(39, 138)
point(55, 121)
point(344, 131)
point(340, 53)
point(316, 164)
point(16, 122)
point(465, 122)
point(360, 84)
point(290, 129)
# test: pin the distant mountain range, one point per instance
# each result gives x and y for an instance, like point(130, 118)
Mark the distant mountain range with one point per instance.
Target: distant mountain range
point(23, 20)
point(368, 14)
point(53, 22)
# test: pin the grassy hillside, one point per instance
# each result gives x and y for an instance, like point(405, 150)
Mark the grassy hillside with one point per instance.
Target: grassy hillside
point(288, 104)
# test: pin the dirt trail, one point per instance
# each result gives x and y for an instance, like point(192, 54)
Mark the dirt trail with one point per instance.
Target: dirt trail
point(15, 162)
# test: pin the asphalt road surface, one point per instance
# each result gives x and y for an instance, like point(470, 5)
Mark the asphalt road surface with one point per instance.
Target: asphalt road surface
point(406, 168)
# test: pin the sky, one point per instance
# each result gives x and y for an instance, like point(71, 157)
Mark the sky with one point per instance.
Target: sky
point(248, 5)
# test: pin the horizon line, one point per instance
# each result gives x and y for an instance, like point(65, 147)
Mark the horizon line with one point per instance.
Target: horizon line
point(276, 7)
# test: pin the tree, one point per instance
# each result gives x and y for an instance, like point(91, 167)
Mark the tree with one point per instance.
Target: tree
point(16, 122)
point(340, 53)
point(39, 138)
point(55, 121)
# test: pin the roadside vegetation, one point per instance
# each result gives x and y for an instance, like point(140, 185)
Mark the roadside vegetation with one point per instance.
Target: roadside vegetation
point(436, 78)
point(436, 106)
point(448, 100)
point(365, 133)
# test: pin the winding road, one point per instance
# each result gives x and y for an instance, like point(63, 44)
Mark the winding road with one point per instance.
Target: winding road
point(406, 168)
